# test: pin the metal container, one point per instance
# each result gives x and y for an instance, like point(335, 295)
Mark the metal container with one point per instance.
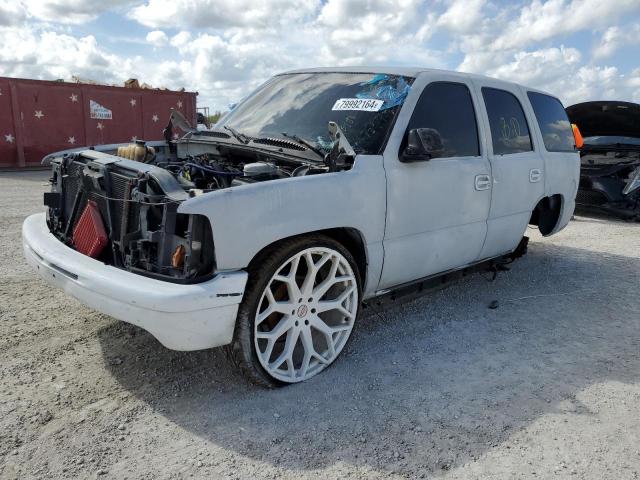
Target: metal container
point(39, 117)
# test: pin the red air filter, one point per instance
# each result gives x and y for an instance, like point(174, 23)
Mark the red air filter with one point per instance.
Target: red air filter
point(89, 236)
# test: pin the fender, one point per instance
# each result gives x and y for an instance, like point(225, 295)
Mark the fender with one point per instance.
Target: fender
point(246, 219)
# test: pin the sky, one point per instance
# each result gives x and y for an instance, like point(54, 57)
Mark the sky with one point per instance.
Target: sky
point(579, 50)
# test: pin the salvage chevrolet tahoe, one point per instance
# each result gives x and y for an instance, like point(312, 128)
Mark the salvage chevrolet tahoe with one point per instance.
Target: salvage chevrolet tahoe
point(323, 190)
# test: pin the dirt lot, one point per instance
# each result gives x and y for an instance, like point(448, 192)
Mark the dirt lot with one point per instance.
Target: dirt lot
point(545, 386)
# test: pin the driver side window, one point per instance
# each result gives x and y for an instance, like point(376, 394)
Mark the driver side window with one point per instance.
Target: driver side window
point(447, 108)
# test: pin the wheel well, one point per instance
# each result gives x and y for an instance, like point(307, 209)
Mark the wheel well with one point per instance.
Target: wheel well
point(547, 213)
point(350, 238)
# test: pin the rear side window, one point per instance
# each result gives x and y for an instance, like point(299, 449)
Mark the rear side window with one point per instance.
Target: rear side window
point(509, 129)
point(554, 123)
point(448, 108)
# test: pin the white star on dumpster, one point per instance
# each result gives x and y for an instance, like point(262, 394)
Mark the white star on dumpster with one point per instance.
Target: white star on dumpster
point(72, 140)
point(100, 126)
point(9, 138)
point(179, 103)
point(74, 98)
point(154, 118)
point(134, 138)
point(38, 114)
point(133, 102)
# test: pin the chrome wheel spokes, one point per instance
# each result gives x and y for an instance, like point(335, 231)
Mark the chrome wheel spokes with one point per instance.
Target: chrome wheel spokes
point(306, 314)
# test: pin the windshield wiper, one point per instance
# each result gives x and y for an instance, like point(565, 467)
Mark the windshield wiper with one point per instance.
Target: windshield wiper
point(241, 137)
point(306, 143)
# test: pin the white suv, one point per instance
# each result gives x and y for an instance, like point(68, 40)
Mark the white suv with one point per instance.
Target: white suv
point(321, 190)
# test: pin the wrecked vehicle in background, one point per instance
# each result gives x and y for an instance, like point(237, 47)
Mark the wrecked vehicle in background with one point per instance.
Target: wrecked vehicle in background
point(323, 189)
point(610, 157)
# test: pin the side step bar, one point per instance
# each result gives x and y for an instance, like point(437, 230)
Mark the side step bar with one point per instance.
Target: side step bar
point(439, 281)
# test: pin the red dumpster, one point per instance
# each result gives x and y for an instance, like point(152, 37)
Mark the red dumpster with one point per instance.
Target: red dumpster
point(39, 117)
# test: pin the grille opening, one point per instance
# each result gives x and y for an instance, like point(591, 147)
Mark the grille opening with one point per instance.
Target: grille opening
point(590, 197)
point(143, 226)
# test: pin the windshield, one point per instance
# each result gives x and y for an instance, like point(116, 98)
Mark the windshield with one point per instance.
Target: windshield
point(611, 140)
point(364, 105)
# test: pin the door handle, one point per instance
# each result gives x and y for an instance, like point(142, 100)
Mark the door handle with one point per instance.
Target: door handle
point(482, 182)
point(535, 175)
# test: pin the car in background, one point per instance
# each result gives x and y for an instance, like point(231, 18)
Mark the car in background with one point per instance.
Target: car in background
point(610, 156)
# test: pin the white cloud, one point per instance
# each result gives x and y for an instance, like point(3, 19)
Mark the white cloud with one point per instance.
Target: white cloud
point(462, 15)
point(521, 44)
point(11, 13)
point(225, 49)
point(609, 43)
point(616, 37)
point(364, 32)
point(70, 11)
point(31, 52)
point(180, 39)
point(540, 21)
point(157, 38)
point(560, 72)
point(214, 14)
point(537, 67)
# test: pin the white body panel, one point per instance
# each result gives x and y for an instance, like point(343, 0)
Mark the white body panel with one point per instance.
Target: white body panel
point(436, 218)
point(271, 211)
point(562, 176)
point(517, 179)
point(181, 317)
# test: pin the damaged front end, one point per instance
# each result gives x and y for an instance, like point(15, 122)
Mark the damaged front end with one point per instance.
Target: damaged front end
point(610, 157)
point(137, 205)
point(610, 181)
point(119, 203)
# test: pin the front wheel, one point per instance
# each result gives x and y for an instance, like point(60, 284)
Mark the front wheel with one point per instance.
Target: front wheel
point(299, 309)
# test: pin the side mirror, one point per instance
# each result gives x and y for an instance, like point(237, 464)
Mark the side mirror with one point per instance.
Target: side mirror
point(422, 144)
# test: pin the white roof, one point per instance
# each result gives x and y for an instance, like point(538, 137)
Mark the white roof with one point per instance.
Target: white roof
point(404, 71)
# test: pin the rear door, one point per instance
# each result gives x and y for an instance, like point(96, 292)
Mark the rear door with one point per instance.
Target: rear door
point(562, 162)
point(517, 165)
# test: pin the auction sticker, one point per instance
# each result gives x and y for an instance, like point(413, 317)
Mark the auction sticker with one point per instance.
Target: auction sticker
point(362, 104)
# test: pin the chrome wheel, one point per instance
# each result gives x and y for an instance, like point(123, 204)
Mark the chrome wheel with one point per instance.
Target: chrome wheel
point(305, 314)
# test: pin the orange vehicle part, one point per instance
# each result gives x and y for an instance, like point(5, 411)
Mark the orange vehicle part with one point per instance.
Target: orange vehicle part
point(577, 136)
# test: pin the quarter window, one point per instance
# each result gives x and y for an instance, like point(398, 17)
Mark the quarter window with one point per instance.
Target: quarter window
point(555, 127)
point(509, 129)
point(447, 108)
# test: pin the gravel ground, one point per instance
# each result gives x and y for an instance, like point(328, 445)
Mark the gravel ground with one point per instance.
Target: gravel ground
point(545, 386)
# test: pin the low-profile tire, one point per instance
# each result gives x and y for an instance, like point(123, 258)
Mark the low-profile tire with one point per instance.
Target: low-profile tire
point(298, 311)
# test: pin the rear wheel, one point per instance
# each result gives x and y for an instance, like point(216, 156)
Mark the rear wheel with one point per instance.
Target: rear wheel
point(299, 309)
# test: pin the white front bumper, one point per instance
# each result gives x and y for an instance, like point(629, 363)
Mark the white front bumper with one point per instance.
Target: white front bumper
point(181, 317)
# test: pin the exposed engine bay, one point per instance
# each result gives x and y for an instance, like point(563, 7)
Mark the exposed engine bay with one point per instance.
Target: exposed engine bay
point(610, 156)
point(137, 189)
point(610, 180)
point(225, 167)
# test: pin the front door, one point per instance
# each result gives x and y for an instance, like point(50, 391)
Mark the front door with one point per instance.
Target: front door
point(437, 209)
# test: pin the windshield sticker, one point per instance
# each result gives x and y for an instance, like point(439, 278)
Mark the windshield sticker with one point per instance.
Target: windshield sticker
point(381, 87)
point(360, 104)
